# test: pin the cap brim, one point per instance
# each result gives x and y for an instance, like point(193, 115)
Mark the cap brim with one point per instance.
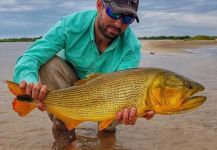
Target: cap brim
point(122, 8)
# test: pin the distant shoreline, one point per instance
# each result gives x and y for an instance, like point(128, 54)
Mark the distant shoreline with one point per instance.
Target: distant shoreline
point(198, 37)
point(24, 39)
point(156, 45)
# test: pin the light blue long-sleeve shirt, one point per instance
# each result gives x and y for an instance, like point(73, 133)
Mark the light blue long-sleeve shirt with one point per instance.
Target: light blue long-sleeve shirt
point(74, 35)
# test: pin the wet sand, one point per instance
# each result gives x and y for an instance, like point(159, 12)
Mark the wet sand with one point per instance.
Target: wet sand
point(189, 131)
point(178, 46)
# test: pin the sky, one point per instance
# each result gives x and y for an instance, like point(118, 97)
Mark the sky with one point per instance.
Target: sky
point(30, 18)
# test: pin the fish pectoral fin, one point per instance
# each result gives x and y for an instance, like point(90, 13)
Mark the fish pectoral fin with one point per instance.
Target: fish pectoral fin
point(15, 89)
point(88, 78)
point(22, 108)
point(104, 124)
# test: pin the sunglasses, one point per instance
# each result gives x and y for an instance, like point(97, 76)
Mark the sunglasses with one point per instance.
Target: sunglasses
point(126, 19)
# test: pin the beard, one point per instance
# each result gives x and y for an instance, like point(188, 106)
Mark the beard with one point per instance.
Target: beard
point(106, 30)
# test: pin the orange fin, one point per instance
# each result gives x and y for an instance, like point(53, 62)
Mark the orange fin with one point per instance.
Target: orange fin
point(15, 89)
point(104, 124)
point(69, 122)
point(88, 78)
point(23, 108)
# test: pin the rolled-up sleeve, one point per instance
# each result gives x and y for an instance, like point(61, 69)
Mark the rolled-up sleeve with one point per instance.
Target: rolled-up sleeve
point(28, 64)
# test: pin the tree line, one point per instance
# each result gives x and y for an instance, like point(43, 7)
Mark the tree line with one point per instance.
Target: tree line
point(23, 39)
point(198, 37)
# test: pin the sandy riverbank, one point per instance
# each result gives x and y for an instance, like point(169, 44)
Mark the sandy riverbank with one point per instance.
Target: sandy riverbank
point(178, 46)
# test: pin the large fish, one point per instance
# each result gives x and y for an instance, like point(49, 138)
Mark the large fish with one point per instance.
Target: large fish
point(100, 96)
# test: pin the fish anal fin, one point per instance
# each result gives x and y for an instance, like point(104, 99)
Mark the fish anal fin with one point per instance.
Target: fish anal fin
point(87, 78)
point(104, 124)
point(22, 108)
point(71, 124)
point(15, 89)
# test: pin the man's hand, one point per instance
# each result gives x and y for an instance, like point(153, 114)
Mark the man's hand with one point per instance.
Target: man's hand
point(36, 91)
point(128, 116)
point(149, 114)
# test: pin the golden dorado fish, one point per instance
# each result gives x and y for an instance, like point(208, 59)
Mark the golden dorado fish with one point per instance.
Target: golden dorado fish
point(100, 96)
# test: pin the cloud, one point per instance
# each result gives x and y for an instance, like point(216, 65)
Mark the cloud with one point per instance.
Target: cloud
point(175, 23)
point(23, 6)
point(7, 2)
point(67, 5)
point(170, 18)
point(16, 9)
point(177, 18)
point(13, 6)
point(157, 17)
point(73, 5)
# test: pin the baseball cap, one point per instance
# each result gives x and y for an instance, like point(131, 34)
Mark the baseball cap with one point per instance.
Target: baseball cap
point(124, 6)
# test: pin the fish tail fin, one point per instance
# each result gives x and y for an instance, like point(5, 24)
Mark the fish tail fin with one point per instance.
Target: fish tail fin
point(15, 89)
point(22, 107)
point(23, 103)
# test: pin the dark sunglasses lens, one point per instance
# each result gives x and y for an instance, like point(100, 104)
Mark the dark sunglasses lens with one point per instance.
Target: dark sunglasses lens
point(128, 19)
point(112, 15)
point(125, 19)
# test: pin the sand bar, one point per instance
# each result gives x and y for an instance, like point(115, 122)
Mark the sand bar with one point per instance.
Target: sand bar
point(177, 46)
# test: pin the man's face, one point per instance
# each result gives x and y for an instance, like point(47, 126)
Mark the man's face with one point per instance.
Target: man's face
point(110, 28)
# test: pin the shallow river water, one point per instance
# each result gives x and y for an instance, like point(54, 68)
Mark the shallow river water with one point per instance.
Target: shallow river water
point(189, 131)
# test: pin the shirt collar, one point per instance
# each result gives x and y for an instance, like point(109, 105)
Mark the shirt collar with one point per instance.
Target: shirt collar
point(92, 36)
point(112, 46)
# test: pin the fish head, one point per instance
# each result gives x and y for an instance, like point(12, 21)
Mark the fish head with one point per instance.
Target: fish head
point(171, 93)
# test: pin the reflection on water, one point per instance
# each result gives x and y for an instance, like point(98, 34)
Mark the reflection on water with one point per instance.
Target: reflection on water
point(193, 130)
point(92, 139)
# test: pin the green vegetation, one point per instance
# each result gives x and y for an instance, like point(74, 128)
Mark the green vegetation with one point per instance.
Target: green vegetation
point(202, 37)
point(165, 38)
point(198, 37)
point(20, 39)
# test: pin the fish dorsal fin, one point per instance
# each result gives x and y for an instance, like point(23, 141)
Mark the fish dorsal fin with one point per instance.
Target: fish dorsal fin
point(104, 124)
point(15, 89)
point(69, 122)
point(88, 78)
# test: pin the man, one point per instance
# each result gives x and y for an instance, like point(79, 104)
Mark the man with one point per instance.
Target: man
point(92, 41)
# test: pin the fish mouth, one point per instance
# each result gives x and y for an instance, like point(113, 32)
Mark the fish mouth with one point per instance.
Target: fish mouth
point(193, 96)
point(192, 102)
point(196, 98)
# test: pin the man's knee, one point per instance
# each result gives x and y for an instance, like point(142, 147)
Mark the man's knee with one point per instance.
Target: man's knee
point(51, 66)
point(57, 73)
